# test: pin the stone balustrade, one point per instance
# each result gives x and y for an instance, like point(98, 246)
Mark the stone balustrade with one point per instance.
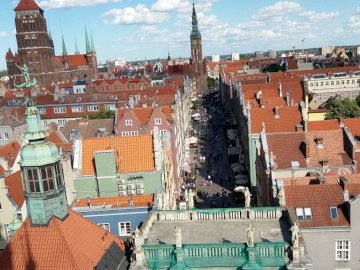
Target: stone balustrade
point(219, 214)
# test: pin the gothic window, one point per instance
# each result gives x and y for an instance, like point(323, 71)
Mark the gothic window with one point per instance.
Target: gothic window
point(47, 178)
point(58, 174)
point(33, 180)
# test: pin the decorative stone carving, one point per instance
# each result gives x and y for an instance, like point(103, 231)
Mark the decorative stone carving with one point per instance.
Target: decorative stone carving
point(247, 195)
point(159, 201)
point(250, 235)
point(177, 237)
point(295, 234)
point(190, 199)
point(281, 196)
point(138, 240)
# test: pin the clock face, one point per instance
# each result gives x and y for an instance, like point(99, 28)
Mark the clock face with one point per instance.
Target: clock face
point(194, 42)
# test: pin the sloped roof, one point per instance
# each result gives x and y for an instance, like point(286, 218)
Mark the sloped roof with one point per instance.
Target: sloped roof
point(118, 201)
point(9, 54)
point(354, 126)
point(10, 151)
point(56, 139)
point(330, 124)
point(74, 60)
point(133, 153)
point(27, 5)
point(289, 117)
point(320, 197)
point(72, 243)
point(286, 147)
point(15, 188)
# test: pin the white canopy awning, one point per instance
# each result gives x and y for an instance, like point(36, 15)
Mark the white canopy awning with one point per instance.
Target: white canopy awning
point(239, 189)
point(195, 115)
point(193, 140)
point(187, 168)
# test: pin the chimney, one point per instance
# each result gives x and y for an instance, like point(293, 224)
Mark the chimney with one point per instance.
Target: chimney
point(319, 142)
point(287, 98)
point(305, 149)
point(280, 89)
point(277, 111)
point(344, 183)
point(324, 163)
point(299, 127)
point(341, 121)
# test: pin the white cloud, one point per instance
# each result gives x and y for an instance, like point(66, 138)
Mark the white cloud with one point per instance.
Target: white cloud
point(3, 34)
point(314, 17)
point(138, 15)
point(170, 5)
point(277, 10)
point(54, 4)
point(357, 10)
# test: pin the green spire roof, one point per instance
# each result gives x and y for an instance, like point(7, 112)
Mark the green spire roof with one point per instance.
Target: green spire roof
point(64, 52)
point(195, 28)
point(88, 48)
point(35, 129)
point(92, 42)
point(76, 46)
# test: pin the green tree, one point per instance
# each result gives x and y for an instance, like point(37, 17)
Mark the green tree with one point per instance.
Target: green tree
point(357, 100)
point(210, 82)
point(337, 107)
point(272, 68)
point(102, 114)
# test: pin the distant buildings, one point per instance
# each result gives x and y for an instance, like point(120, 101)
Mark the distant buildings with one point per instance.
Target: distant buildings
point(36, 51)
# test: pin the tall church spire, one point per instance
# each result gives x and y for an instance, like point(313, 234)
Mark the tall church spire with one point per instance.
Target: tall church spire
point(76, 46)
point(64, 51)
point(88, 48)
point(92, 42)
point(195, 27)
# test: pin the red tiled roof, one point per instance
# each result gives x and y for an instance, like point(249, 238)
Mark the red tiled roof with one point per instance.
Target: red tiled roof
point(119, 201)
point(354, 126)
point(73, 243)
point(167, 111)
point(75, 60)
point(27, 5)
point(133, 153)
point(15, 188)
point(286, 147)
point(56, 139)
point(9, 152)
point(323, 125)
point(289, 117)
point(320, 197)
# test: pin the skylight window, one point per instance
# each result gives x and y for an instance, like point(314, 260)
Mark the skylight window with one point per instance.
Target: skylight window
point(334, 212)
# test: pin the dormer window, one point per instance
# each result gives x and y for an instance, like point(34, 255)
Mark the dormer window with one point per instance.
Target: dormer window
point(94, 98)
point(157, 121)
point(334, 213)
point(303, 213)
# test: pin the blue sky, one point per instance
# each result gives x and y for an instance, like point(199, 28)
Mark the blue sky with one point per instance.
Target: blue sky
point(145, 29)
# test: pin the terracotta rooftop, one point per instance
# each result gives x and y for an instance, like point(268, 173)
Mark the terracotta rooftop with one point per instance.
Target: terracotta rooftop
point(133, 153)
point(27, 5)
point(88, 128)
point(9, 54)
point(62, 244)
point(15, 188)
point(143, 114)
point(12, 116)
point(286, 147)
point(320, 197)
point(289, 116)
point(60, 142)
point(75, 60)
point(9, 152)
point(323, 125)
point(119, 201)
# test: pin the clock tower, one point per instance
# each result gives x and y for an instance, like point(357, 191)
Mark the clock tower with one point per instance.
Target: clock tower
point(196, 46)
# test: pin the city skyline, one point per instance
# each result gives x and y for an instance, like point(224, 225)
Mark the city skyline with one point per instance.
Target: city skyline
point(144, 29)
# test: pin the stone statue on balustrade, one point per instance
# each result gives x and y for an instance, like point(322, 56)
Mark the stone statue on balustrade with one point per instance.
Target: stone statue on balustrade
point(177, 237)
point(250, 235)
point(247, 195)
point(190, 199)
point(295, 234)
point(159, 201)
point(186, 195)
point(138, 240)
point(281, 196)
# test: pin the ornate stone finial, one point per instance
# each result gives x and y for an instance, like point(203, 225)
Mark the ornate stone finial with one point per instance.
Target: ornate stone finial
point(177, 237)
point(295, 234)
point(250, 235)
point(281, 196)
point(138, 240)
point(247, 195)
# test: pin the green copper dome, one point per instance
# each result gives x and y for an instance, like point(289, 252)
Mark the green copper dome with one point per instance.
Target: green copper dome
point(35, 129)
point(38, 154)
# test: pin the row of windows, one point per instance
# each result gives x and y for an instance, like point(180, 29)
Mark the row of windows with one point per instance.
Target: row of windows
point(129, 133)
point(46, 177)
point(336, 82)
point(129, 123)
point(5, 136)
point(305, 213)
point(90, 108)
point(351, 95)
point(124, 227)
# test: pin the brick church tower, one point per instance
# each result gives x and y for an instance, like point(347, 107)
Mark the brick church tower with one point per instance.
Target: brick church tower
point(35, 48)
point(196, 46)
